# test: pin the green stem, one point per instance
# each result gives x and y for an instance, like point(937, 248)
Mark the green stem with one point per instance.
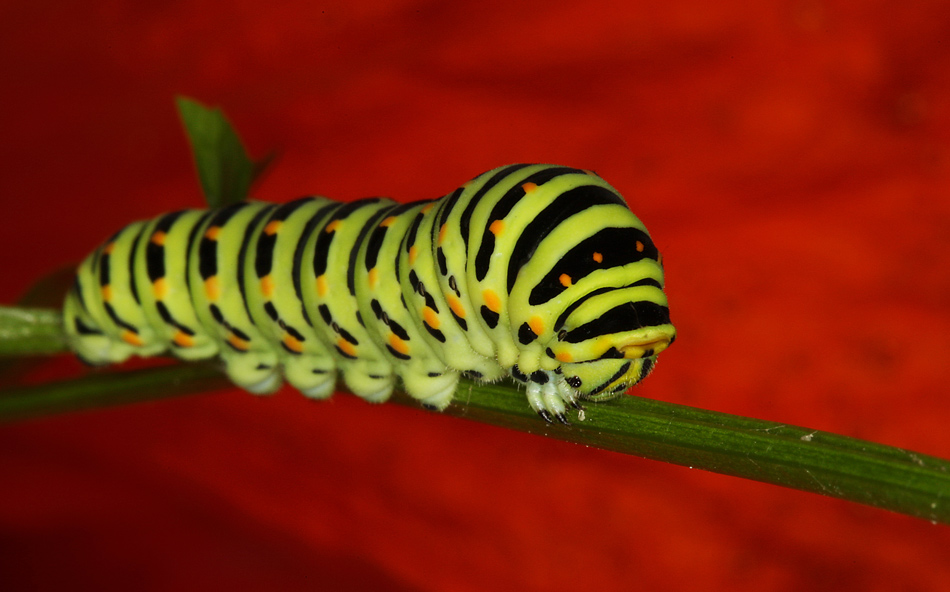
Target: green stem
point(105, 389)
point(809, 460)
point(30, 331)
point(800, 458)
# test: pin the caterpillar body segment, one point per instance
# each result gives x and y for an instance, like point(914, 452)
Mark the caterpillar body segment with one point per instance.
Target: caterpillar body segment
point(537, 272)
point(380, 283)
point(275, 292)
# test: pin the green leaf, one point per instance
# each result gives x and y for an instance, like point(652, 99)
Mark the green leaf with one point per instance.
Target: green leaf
point(224, 168)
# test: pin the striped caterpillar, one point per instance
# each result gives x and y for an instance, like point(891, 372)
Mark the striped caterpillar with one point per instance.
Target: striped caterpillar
point(537, 272)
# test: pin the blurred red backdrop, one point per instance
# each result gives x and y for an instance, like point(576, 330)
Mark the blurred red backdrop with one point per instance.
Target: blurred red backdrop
point(790, 158)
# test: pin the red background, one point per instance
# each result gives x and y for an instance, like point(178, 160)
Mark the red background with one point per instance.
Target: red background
point(790, 159)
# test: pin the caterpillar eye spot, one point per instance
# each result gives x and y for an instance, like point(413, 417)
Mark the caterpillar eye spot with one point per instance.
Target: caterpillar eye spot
point(507, 258)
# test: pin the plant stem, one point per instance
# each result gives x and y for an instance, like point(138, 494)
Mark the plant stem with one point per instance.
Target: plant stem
point(809, 460)
point(29, 331)
point(800, 458)
point(108, 388)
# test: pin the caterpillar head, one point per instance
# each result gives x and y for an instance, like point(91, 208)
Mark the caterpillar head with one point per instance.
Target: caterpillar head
point(603, 357)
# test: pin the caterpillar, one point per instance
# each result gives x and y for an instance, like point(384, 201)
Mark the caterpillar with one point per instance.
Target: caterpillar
point(540, 273)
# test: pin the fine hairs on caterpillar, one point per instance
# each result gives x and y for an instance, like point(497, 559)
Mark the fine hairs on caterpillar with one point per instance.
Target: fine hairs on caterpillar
point(537, 272)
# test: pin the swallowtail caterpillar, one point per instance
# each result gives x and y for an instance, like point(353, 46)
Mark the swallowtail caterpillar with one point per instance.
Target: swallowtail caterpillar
point(540, 273)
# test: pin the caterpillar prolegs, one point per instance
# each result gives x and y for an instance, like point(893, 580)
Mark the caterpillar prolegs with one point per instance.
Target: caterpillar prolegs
point(537, 272)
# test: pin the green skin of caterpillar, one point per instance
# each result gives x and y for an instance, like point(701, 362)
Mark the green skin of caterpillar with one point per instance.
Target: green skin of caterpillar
point(368, 291)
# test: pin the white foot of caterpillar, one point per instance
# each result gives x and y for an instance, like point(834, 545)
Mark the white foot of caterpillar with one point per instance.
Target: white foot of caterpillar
point(320, 391)
point(548, 400)
point(267, 386)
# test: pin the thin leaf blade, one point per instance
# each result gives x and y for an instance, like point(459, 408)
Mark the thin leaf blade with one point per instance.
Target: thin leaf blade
point(224, 168)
